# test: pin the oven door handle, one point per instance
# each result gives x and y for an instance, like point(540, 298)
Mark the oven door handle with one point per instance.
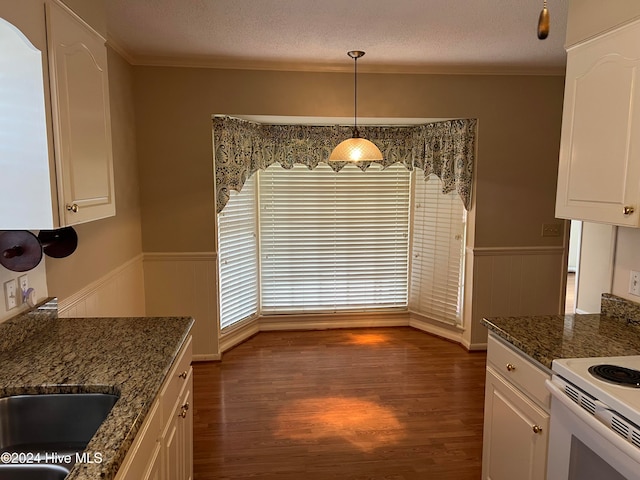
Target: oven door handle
point(591, 421)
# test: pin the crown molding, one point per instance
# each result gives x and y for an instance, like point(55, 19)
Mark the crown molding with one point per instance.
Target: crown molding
point(342, 67)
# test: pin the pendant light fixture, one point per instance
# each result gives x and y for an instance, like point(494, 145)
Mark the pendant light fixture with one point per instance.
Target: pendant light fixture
point(543, 22)
point(355, 149)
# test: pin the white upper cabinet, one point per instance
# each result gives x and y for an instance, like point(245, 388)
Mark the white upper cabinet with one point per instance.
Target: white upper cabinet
point(599, 169)
point(55, 130)
point(82, 125)
point(25, 121)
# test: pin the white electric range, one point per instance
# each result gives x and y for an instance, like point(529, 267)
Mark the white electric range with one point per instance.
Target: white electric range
point(595, 419)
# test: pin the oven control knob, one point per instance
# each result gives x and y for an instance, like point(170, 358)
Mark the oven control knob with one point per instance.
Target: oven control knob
point(511, 367)
point(537, 429)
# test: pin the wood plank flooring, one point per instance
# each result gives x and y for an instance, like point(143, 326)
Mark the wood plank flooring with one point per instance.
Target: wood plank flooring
point(362, 404)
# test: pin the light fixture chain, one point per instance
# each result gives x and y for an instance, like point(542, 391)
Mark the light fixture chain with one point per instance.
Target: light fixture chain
point(355, 95)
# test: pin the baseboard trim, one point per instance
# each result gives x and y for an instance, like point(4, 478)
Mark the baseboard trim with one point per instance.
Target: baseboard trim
point(452, 333)
point(498, 251)
point(329, 321)
point(209, 357)
point(237, 335)
point(84, 293)
point(474, 347)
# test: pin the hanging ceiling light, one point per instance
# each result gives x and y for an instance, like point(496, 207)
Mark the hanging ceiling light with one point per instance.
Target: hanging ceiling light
point(543, 22)
point(355, 149)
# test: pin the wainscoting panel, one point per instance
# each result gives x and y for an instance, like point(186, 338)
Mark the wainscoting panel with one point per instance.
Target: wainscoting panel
point(184, 284)
point(515, 281)
point(120, 293)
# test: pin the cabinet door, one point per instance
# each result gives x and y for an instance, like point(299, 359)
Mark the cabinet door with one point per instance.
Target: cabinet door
point(187, 429)
point(26, 152)
point(515, 434)
point(154, 470)
point(599, 169)
point(81, 120)
point(178, 436)
point(172, 445)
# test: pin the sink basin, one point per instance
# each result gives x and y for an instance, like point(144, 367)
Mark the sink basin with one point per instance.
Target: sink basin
point(49, 424)
point(32, 472)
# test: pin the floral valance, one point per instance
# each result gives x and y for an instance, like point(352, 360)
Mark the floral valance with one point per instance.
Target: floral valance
point(446, 149)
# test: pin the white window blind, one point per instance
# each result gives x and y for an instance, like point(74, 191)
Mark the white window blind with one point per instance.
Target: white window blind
point(238, 256)
point(437, 252)
point(333, 241)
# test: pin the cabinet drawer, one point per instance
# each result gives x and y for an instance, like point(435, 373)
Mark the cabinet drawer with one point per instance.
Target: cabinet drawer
point(176, 379)
point(519, 370)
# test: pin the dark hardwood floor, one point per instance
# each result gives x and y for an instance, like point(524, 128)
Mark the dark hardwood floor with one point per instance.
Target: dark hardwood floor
point(362, 404)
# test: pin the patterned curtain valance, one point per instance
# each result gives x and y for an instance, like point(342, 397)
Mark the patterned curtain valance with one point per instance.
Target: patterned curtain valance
point(241, 148)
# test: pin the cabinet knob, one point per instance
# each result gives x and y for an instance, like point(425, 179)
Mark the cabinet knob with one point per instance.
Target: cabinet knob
point(537, 429)
point(183, 375)
point(511, 367)
point(73, 208)
point(627, 210)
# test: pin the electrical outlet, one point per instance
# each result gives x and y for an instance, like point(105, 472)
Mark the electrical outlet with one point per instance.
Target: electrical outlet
point(10, 298)
point(634, 283)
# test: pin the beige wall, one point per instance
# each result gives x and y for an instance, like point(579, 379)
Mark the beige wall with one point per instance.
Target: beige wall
point(91, 11)
point(587, 18)
point(519, 135)
point(105, 245)
point(627, 258)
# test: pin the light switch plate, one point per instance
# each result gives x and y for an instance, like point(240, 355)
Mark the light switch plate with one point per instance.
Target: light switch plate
point(23, 282)
point(10, 298)
point(551, 229)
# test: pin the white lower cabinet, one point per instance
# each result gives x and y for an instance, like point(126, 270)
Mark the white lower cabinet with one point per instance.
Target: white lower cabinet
point(154, 469)
point(177, 438)
point(163, 448)
point(516, 421)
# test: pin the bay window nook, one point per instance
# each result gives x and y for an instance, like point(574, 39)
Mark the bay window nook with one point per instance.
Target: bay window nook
point(305, 239)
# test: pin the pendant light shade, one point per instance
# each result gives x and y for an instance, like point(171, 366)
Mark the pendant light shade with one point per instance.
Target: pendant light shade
point(355, 149)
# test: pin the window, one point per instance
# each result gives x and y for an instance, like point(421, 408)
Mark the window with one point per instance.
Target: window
point(238, 257)
point(330, 242)
point(437, 251)
point(333, 241)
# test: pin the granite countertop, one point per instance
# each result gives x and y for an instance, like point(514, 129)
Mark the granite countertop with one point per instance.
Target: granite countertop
point(613, 332)
point(129, 357)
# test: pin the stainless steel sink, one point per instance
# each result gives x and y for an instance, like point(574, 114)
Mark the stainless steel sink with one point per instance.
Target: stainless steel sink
point(47, 431)
point(32, 472)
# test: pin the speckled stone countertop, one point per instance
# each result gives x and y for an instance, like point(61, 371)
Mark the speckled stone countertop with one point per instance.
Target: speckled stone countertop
point(129, 357)
point(613, 332)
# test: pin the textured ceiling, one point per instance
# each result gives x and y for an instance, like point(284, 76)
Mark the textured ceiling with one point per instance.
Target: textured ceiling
point(397, 35)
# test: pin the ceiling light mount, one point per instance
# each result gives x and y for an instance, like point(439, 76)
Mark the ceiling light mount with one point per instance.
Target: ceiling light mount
point(356, 148)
